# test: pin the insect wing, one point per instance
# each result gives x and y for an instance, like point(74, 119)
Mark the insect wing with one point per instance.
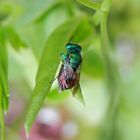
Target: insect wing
point(75, 88)
point(78, 94)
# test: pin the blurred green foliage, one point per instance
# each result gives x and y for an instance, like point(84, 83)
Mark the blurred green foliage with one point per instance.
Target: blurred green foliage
point(32, 36)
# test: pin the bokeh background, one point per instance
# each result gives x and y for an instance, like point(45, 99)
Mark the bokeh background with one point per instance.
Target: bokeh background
point(27, 25)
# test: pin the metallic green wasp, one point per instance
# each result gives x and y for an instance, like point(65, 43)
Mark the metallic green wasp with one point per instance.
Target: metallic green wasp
point(69, 74)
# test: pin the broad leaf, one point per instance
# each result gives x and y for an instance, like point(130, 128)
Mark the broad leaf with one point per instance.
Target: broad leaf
point(33, 11)
point(37, 33)
point(48, 10)
point(14, 38)
point(48, 66)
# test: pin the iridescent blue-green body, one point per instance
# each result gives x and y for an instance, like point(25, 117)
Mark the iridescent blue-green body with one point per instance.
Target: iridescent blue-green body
point(73, 55)
point(69, 74)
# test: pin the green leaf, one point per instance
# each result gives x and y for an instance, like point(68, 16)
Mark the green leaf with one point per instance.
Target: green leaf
point(34, 10)
point(5, 90)
point(5, 11)
point(14, 38)
point(2, 123)
point(40, 28)
point(84, 34)
point(48, 66)
point(90, 4)
point(3, 17)
point(4, 93)
point(48, 10)
point(3, 71)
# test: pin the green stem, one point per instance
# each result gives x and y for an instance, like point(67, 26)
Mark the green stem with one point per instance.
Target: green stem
point(91, 4)
point(104, 36)
point(112, 76)
point(2, 123)
point(106, 50)
point(111, 69)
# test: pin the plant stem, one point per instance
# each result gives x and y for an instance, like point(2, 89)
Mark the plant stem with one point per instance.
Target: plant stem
point(112, 77)
point(2, 123)
point(106, 51)
point(90, 4)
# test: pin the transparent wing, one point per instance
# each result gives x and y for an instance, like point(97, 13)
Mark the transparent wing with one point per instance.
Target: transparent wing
point(76, 91)
point(75, 88)
point(78, 95)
